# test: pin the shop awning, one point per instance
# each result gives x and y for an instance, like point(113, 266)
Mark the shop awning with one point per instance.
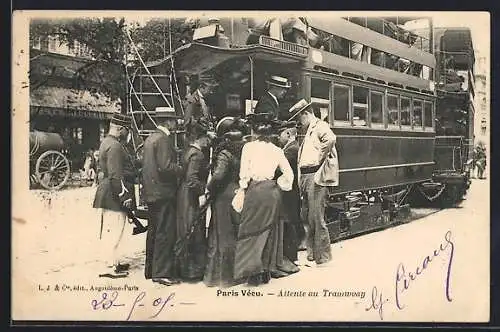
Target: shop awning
point(74, 103)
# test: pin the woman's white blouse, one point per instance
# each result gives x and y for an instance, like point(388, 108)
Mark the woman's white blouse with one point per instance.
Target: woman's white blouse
point(259, 161)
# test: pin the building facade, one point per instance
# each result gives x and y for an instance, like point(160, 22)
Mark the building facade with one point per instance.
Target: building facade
point(482, 123)
point(63, 101)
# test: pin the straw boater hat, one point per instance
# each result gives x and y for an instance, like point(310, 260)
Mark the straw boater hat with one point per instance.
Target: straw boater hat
point(282, 82)
point(166, 113)
point(299, 108)
point(123, 120)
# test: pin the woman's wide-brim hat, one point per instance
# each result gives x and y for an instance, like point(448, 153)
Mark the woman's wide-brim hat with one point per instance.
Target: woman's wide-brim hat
point(229, 124)
point(279, 81)
point(234, 135)
point(301, 107)
point(123, 120)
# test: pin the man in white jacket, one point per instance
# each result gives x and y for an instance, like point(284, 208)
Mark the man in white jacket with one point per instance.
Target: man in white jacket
point(318, 170)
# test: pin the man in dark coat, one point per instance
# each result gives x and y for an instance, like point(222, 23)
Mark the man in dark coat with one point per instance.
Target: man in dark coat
point(277, 87)
point(160, 176)
point(114, 195)
point(196, 106)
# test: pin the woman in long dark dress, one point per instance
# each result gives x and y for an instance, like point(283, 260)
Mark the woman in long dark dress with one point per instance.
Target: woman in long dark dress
point(191, 197)
point(222, 231)
point(259, 247)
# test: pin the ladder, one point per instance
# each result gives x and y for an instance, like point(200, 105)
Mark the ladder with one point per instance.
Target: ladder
point(149, 90)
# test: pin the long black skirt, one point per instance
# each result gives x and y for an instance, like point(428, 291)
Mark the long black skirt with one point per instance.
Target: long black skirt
point(258, 245)
point(191, 263)
point(222, 234)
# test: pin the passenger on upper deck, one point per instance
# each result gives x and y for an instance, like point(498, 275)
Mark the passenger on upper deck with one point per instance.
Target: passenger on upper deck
point(291, 29)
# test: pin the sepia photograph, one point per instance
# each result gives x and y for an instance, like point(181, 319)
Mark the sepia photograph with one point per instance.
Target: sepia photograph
point(250, 166)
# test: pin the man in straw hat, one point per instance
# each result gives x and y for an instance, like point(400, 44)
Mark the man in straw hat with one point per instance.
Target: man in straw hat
point(318, 170)
point(160, 178)
point(114, 195)
point(277, 87)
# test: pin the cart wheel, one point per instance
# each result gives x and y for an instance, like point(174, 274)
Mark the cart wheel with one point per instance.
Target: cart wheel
point(52, 170)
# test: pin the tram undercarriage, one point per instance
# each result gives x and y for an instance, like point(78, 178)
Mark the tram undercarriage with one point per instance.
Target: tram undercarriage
point(361, 212)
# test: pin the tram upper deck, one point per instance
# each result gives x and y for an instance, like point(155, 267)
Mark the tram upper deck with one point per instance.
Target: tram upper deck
point(378, 48)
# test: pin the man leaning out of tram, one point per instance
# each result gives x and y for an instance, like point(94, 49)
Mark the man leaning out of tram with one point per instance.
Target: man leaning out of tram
point(196, 102)
point(318, 170)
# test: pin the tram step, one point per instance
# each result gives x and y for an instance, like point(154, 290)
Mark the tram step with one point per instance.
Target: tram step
point(431, 185)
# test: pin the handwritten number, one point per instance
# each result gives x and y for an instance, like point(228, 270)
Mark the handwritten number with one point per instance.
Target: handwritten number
point(137, 300)
point(105, 303)
point(159, 301)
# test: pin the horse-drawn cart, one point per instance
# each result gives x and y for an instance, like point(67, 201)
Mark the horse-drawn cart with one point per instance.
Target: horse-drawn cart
point(49, 167)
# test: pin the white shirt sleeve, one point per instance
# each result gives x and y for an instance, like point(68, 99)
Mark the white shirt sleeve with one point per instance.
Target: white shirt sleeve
point(245, 176)
point(285, 181)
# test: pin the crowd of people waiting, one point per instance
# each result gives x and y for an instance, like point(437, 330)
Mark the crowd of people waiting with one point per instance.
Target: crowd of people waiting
point(252, 174)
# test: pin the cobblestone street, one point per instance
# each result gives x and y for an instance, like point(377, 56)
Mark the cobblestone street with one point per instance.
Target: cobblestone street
point(56, 241)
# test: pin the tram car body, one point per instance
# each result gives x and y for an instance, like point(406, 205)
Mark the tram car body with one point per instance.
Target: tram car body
point(454, 112)
point(368, 78)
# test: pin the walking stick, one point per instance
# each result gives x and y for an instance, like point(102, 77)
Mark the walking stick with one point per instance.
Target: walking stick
point(209, 208)
point(182, 243)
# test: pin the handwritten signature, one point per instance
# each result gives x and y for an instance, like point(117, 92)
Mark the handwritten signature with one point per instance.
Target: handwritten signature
point(404, 278)
point(110, 300)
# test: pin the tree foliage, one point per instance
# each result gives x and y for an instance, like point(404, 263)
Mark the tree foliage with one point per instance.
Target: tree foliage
point(110, 48)
point(105, 37)
point(154, 37)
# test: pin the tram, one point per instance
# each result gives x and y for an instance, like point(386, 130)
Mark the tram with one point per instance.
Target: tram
point(369, 78)
point(454, 112)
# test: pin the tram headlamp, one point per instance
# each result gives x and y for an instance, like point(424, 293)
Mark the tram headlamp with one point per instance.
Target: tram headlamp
point(316, 56)
point(432, 86)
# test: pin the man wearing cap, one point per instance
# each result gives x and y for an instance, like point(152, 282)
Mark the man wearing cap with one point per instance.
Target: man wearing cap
point(160, 175)
point(277, 87)
point(114, 195)
point(318, 170)
point(196, 106)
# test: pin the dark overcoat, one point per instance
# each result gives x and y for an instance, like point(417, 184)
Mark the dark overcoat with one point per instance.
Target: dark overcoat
point(160, 172)
point(194, 179)
point(267, 104)
point(117, 167)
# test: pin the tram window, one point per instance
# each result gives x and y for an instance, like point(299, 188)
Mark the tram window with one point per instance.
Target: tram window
point(393, 110)
point(378, 58)
point(405, 112)
point(320, 97)
point(376, 109)
point(417, 114)
point(341, 103)
point(428, 114)
point(360, 106)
